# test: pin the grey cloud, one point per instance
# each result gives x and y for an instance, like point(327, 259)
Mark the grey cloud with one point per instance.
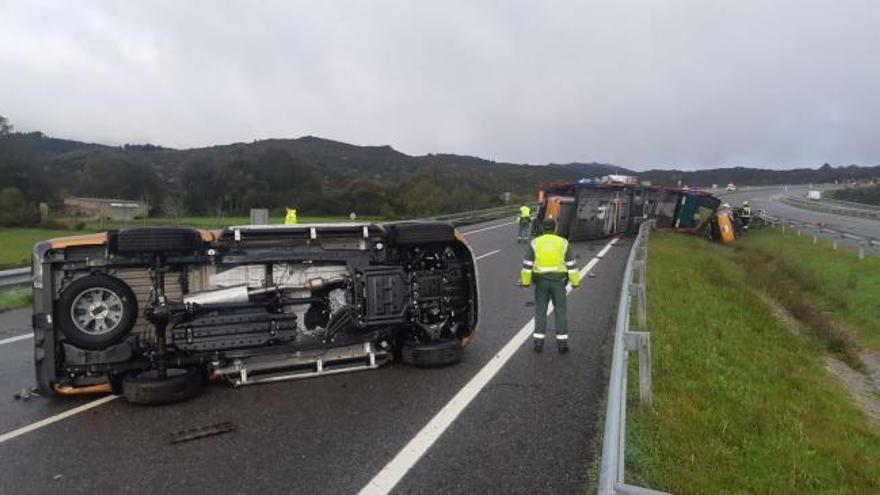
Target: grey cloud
point(684, 83)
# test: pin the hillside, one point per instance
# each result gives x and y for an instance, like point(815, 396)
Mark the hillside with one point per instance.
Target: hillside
point(317, 175)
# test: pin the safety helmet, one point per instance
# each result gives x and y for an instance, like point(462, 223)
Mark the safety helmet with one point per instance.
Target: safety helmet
point(548, 224)
point(745, 203)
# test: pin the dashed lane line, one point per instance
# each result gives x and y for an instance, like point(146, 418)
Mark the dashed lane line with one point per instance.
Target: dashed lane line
point(488, 228)
point(394, 471)
point(486, 255)
point(56, 418)
point(16, 338)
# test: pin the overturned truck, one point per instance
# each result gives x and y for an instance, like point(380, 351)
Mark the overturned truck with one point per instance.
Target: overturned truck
point(587, 210)
point(155, 313)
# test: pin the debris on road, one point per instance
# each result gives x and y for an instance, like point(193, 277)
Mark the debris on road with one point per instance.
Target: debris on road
point(201, 432)
point(26, 393)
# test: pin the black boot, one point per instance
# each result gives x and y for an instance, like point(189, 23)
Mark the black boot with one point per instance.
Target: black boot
point(538, 345)
point(563, 346)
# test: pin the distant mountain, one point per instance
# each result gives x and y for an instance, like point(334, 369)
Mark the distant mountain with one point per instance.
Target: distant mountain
point(320, 176)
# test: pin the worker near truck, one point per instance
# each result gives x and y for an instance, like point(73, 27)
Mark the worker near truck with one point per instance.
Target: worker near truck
point(549, 263)
point(525, 223)
point(745, 215)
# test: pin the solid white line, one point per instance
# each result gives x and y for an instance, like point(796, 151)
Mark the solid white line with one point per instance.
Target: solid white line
point(394, 471)
point(486, 255)
point(487, 228)
point(54, 419)
point(16, 338)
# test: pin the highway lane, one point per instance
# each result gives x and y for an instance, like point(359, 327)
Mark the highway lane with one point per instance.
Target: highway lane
point(333, 434)
point(769, 199)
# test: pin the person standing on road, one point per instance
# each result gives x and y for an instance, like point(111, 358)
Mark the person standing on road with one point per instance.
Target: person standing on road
point(525, 223)
point(550, 260)
point(745, 215)
point(290, 218)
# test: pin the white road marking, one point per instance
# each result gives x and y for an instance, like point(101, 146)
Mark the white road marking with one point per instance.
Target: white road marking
point(394, 471)
point(488, 228)
point(486, 255)
point(54, 419)
point(604, 250)
point(16, 338)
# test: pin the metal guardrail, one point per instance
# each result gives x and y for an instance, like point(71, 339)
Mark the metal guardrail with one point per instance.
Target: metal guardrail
point(851, 204)
point(476, 216)
point(611, 471)
point(828, 207)
point(16, 277)
point(863, 242)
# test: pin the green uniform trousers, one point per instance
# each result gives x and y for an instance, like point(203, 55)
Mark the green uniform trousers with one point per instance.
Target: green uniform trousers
point(551, 287)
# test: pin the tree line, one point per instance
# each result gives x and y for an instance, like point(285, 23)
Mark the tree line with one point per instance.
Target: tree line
point(318, 177)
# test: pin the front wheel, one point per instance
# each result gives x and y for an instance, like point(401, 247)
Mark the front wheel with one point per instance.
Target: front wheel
point(148, 389)
point(434, 354)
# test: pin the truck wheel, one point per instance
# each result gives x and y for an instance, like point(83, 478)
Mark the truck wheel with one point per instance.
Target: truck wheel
point(96, 311)
point(156, 240)
point(430, 355)
point(148, 389)
point(418, 233)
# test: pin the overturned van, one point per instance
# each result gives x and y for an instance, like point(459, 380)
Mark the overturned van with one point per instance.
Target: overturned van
point(154, 313)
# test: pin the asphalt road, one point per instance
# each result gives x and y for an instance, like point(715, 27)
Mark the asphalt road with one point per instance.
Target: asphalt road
point(529, 430)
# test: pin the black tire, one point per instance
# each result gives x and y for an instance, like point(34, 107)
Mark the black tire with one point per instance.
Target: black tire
point(420, 233)
point(156, 240)
point(147, 389)
point(78, 332)
point(431, 355)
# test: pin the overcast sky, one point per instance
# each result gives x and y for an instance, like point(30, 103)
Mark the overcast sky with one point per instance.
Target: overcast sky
point(642, 83)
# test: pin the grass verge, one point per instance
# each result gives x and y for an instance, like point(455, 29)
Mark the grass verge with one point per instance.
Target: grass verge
point(14, 299)
point(16, 244)
point(742, 404)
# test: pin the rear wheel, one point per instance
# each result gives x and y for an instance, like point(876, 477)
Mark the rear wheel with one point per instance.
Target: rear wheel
point(148, 389)
point(156, 240)
point(418, 233)
point(96, 311)
point(434, 354)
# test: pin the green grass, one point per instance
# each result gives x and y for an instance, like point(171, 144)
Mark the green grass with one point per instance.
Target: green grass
point(16, 244)
point(14, 299)
point(741, 404)
point(837, 284)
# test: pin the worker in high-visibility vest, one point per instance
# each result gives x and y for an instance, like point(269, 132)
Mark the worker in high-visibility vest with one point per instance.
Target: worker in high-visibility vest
point(525, 223)
point(290, 218)
point(550, 262)
point(746, 215)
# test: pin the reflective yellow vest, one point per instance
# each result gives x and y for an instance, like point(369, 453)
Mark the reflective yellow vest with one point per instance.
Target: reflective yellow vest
point(525, 212)
point(550, 252)
point(746, 212)
point(290, 219)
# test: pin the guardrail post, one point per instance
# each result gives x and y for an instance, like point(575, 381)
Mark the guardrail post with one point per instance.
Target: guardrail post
point(861, 252)
point(641, 342)
point(834, 244)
